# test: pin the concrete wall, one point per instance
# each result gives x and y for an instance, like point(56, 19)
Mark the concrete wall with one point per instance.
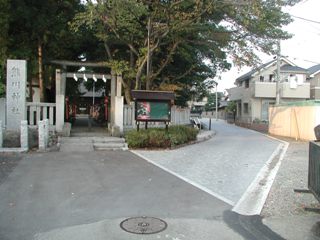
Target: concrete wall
point(268, 90)
point(315, 81)
point(315, 93)
point(302, 91)
point(294, 121)
point(3, 111)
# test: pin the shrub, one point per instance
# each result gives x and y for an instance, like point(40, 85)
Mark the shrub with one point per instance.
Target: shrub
point(137, 139)
point(160, 138)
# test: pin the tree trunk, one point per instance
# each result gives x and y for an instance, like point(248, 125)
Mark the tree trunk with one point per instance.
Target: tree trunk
point(127, 93)
point(40, 69)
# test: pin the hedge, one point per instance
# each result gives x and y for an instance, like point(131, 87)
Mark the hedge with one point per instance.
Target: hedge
point(160, 138)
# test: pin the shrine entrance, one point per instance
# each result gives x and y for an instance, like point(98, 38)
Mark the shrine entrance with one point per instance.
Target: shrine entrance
point(88, 101)
point(87, 104)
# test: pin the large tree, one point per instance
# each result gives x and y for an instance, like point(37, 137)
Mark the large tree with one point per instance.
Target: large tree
point(4, 23)
point(38, 30)
point(164, 43)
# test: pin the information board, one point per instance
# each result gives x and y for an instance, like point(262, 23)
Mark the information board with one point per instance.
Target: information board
point(153, 111)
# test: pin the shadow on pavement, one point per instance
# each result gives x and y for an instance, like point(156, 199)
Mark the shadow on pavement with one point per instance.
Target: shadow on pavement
point(250, 227)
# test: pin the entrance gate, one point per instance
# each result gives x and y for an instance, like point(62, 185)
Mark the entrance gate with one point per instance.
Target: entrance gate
point(63, 104)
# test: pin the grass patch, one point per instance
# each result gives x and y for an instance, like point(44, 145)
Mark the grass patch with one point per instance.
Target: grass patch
point(160, 138)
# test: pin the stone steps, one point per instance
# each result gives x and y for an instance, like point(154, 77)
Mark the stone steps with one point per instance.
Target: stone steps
point(89, 144)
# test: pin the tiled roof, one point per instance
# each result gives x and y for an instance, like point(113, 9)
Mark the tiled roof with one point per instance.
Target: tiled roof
point(314, 69)
point(290, 68)
point(249, 74)
point(284, 68)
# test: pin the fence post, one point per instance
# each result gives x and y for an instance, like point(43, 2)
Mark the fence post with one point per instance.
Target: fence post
point(24, 134)
point(46, 131)
point(41, 135)
point(1, 135)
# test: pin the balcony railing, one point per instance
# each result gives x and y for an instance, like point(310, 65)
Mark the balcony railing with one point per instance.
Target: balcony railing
point(268, 90)
point(236, 93)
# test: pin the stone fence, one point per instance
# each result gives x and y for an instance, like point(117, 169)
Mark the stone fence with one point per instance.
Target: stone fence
point(38, 111)
point(43, 136)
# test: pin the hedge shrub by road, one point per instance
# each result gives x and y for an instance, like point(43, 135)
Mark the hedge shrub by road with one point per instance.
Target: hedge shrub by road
point(160, 138)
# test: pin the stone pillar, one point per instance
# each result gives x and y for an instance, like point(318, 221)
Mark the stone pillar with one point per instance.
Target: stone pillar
point(112, 97)
point(24, 134)
point(41, 135)
point(116, 113)
point(16, 93)
point(60, 99)
point(1, 135)
point(119, 86)
point(118, 116)
point(46, 131)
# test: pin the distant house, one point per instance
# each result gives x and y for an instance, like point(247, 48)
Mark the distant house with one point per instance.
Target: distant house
point(314, 82)
point(255, 91)
point(198, 106)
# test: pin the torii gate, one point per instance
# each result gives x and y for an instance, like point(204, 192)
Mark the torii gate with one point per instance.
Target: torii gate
point(116, 99)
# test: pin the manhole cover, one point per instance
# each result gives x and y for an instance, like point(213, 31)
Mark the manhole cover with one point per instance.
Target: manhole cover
point(143, 225)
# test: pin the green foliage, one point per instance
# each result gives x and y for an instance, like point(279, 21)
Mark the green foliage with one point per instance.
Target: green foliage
point(118, 66)
point(211, 104)
point(182, 35)
point(2, 89)
point(160, 138)
point(232, 107)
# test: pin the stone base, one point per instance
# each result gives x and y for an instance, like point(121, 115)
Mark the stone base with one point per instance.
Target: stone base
point(13, 150)
point(115, 131)
point(66, 130)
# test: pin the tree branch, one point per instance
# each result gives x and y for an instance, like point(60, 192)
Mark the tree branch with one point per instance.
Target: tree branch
point(165, 63)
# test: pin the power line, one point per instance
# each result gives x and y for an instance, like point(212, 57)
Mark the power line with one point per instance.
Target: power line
point(305, 19)
point(305, 60)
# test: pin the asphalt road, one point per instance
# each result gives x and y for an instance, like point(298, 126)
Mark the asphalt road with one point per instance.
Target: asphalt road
point(57, 195)
point(55, 190)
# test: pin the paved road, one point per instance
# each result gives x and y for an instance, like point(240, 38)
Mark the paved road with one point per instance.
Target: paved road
point(57, 195)
point(224, 165)
point(56, 190)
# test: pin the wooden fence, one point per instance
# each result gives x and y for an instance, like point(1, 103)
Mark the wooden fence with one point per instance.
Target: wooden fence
point(179, 116)
point(294, 121)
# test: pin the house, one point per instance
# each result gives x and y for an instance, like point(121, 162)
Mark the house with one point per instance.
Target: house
point(314, 82)
point(255, 91)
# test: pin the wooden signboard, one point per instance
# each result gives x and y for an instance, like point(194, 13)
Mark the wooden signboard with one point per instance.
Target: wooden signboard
point(153, 106)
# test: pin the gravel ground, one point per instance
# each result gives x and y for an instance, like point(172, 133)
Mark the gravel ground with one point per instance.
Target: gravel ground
point(293, 174)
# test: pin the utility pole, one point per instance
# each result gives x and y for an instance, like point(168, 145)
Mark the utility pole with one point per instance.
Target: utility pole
point(216, 101)
point(148, 48)
point(278, 73)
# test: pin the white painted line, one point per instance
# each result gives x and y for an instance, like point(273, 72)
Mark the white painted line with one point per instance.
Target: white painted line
point(253, 200)
point(216, 195)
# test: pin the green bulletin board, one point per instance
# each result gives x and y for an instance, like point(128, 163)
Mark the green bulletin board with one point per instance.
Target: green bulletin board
point(153, 111)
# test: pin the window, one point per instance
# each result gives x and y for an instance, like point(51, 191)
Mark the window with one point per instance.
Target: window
point(246, 83)
point(261, 78)
point(245, 108)
point(271, 78)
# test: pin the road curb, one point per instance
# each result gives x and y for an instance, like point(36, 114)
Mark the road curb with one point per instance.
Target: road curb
point(253, 200)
